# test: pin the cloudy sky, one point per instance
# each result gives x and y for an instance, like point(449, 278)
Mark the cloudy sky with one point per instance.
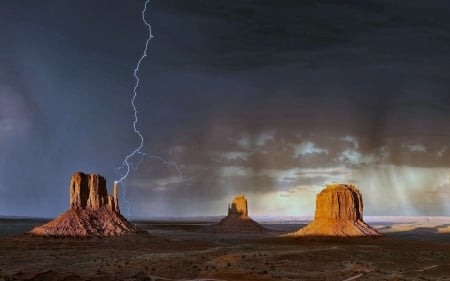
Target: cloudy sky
point(273, 99)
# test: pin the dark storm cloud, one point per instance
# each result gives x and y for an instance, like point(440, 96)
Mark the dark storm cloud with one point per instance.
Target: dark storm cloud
point(252, 34)
point(56, 80)
point(259, 97)
point(377, 83)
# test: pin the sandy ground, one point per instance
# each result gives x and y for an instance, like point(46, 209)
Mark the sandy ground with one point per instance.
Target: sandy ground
point(412, 249)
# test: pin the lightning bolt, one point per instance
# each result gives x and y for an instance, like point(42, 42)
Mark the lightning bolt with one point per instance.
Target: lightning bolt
point(127, 165)
point(126, 162)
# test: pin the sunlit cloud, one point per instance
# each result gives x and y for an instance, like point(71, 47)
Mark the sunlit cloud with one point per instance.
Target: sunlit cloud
point(353, 157)
point(356, 158)
point(264, 137)
point(308, 148)
point(415, 147)
point(244, 142)
point(230, 171)
point(236, 155)
point(350, 139)
point(296, 179)
point(301, 189)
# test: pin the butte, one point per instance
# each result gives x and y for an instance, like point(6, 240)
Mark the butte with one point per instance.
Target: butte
point(92, 211)
point(237, 220)
point(339, 213)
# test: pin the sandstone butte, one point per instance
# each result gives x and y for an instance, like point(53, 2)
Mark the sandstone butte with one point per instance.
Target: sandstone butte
point(237, 220)
point(92, 211)
point(339, 213)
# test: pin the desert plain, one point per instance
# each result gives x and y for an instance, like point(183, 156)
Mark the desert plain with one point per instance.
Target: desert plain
point(411, 248)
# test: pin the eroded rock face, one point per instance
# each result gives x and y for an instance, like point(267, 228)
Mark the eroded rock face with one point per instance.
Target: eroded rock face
point(88, 191)
point(92, 211)
point(339, 201)
point(98, 196)
point(238, 206)
point(237, 220)
point(79, 191)
point(339, 212)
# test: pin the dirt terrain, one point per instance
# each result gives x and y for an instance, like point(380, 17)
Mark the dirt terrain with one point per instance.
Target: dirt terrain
point(411, 250)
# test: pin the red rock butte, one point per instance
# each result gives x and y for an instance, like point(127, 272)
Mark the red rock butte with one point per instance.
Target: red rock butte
point(237, 220)
point(339, 213)
point(92, 211)
point(238, 206)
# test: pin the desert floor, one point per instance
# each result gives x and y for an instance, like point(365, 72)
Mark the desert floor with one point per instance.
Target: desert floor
point(412, 249)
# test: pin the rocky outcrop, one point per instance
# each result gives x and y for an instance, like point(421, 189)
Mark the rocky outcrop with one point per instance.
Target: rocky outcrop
point(92, 211)
point(339, 202)
point(238, 206)
point(88, 191)
point(237, 220)
point(339, 212)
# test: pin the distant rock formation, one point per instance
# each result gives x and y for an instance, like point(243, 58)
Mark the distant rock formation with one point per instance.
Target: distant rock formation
point(237, 220)
point(238, 206)
point(92, 211)
point(339, 213)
